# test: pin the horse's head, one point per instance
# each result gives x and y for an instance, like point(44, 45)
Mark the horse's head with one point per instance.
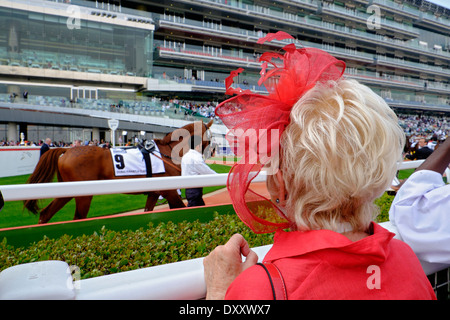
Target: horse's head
point(179, 138)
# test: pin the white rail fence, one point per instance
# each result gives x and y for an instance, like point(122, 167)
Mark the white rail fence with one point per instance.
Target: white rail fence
point(174, 281)
point(85, 188)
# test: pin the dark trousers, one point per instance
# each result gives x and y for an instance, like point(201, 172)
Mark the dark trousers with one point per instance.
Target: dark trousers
point(194, 197)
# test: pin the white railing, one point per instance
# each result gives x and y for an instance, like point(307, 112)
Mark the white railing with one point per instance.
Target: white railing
point(86, 188)
point(173, 281)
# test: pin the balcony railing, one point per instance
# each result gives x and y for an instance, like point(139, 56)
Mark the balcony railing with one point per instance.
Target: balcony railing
point(249, 35)
point(251, 61)
point(328, 27)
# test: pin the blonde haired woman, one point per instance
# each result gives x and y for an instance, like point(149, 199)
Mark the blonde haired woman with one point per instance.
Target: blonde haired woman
point(339, 147)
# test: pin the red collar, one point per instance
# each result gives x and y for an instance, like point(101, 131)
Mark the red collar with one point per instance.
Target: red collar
point(298, 243)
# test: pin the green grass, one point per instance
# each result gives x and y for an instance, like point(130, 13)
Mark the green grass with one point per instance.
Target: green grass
point(403, 174)
point(14, 215)
point(225, 159)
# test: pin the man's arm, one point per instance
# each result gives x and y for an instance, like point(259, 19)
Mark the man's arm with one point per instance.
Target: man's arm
point(201, 167)
point(438, 160)
point(420, 209)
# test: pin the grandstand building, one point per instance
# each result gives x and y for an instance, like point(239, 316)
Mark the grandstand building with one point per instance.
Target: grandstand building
point(84, 62)
point(401, 49)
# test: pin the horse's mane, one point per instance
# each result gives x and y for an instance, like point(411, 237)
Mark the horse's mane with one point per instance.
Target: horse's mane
point(168, 137)
point(160, 142)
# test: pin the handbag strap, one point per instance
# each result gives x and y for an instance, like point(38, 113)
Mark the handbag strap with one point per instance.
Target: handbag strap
point(276, 280)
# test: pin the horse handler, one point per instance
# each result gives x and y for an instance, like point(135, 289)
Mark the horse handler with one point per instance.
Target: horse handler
point(193, 164)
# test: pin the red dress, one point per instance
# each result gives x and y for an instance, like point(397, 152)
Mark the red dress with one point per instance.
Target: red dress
point(324, 265)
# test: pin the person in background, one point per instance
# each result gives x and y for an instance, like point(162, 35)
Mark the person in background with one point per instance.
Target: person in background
point(192, 164)
point(421, 208)
point(422, 152)
point(45, 146)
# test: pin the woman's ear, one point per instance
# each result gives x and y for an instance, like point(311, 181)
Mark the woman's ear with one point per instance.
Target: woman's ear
point(282, 195)
point(276, 188)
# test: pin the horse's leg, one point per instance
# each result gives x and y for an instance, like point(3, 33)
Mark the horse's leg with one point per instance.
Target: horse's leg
point(49, 211)
point(82, 207)
point(152, 198)
point(173, 198)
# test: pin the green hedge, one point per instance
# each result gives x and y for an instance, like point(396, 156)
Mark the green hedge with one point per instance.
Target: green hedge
point(112, 251)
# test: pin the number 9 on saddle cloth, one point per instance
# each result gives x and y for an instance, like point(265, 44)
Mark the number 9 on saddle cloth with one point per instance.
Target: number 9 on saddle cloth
point(130, 161)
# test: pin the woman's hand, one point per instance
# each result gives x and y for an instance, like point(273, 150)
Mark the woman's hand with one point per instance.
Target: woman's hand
point(224, 264)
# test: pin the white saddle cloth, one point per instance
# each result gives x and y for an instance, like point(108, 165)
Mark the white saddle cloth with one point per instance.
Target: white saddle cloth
point(130, 162)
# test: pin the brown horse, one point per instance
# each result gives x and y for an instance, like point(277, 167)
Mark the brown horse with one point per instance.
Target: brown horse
point(95, 163)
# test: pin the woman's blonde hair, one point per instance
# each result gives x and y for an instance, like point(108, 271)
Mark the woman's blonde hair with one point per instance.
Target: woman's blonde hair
point(339, 153)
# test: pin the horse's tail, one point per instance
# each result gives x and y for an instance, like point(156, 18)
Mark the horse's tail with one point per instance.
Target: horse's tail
point(44, 172)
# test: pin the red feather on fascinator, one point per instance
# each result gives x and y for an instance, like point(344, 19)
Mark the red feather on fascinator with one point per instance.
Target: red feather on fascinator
point(256, 122)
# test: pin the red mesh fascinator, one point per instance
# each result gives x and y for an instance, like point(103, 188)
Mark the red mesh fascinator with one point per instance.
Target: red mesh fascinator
point(256, 122)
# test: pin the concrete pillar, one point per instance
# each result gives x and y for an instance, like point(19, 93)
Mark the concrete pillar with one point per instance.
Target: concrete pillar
point(96, 134)
point(12, 134)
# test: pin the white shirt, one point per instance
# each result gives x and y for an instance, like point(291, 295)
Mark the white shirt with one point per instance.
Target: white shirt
point(431, 145)
point(421, 213)
point(192, 164)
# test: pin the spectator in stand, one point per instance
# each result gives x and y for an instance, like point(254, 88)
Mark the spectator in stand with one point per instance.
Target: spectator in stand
point(45, 146)
point(339, 145)
point(433, 142)
point(422, 152)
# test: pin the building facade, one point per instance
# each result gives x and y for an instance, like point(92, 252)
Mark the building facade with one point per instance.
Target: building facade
point(399, 49)
point(55, 53)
